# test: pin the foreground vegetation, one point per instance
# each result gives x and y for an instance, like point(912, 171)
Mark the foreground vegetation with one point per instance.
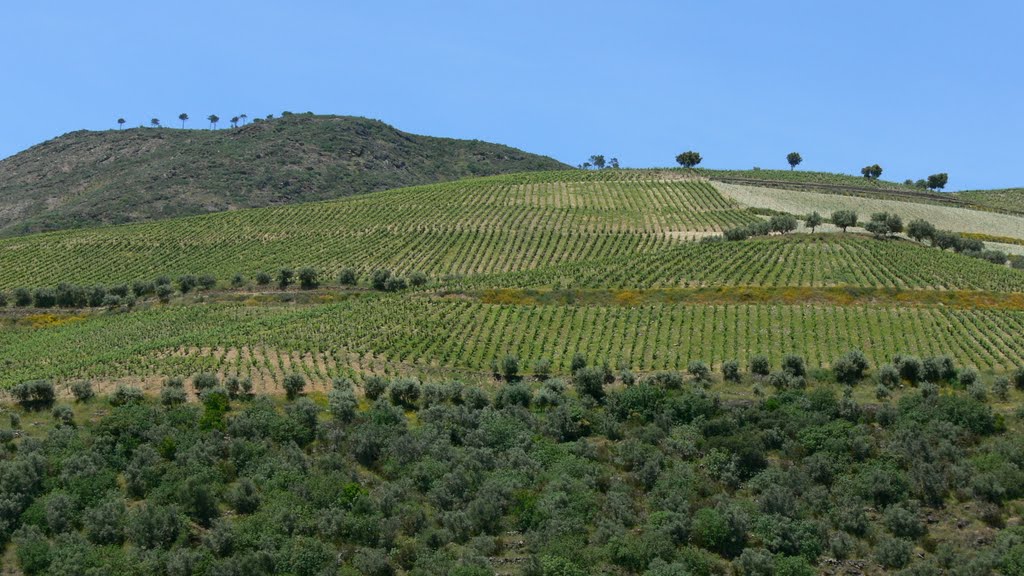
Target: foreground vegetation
point(659, 477)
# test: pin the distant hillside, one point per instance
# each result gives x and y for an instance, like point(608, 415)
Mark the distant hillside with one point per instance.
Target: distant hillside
point(87, 178)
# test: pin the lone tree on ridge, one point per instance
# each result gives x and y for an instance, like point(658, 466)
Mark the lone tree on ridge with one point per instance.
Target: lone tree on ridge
point(689, 159)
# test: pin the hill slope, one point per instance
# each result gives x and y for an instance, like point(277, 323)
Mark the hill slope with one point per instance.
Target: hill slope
point(539, 265)
point(486, 225)
point(87, 178)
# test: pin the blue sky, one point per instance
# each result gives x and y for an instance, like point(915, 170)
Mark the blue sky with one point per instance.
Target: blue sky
point(916, 86)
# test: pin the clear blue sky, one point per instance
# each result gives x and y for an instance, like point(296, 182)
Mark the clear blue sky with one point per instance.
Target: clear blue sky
point(916, 86)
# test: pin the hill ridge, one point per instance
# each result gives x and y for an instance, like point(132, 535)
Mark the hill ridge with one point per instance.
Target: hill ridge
point(85, 178)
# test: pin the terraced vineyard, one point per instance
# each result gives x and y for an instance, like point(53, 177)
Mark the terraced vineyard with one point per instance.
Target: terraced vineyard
point(481, 226)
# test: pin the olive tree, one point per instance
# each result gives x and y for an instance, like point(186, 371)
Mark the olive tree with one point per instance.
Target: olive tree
point(850, 368)
point(813, 220)
point(919, 230)
point(844, 219)
point(308, 278)
point(294, 384)
point(783, 223)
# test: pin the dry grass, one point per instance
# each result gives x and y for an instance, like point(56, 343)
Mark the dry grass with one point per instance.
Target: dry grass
point(944, 217)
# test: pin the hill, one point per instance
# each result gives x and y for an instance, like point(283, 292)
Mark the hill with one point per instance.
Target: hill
point(564, 372)
point(538, 265)
point(88, 178)
point(484, 225)
point(1006, 201)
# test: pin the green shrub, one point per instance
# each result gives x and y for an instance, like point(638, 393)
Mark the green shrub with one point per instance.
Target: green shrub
point(760, 365)
point(893, 553)
point(888, 376)
point(910, 368)
point(172, 396)
point(64, 415)
point(1018, 378)
point(163, 293)
point(731, 371)
point(82, 390)
point(542, 369)
point(374, 387)
point(967, 377)
point(207, 282)
point(849, 368)
point(32, 550)
point(104, 522)
point(44, 297)
point(294, 384)
point(22, 297)
point(379, 279)
point(309, 278)
point(348, 277)
point(395, 284)
point(124, 395)
point(187, 283)
point(34, 394)
point(405, 392)
point(699, 370)
point(205, 381)
point(590, 382)
point(285, 278)
point(510, 367)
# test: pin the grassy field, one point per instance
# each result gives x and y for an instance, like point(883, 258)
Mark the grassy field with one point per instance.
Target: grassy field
point(1012, 198)
point(945, 217)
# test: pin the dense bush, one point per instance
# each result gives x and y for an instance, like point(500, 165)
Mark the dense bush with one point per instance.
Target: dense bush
point(82, 390)
point(309, 278)
point(850, 368)
point(661, 478)
point(294, 384)
point(760, 365)
point(348, 277)
point(731, 371)
point(34, 394)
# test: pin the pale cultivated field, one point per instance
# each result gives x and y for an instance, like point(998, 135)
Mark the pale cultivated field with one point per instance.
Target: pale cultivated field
point(943, 217)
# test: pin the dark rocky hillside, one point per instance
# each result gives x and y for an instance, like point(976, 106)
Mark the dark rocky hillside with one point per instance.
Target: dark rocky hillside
point(87, 178)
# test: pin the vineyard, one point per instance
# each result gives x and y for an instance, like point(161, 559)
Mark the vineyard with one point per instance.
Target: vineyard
point(1012, 198)
point(481, 226)
point(370, 333)
point(619, 259)
point(798, 260)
